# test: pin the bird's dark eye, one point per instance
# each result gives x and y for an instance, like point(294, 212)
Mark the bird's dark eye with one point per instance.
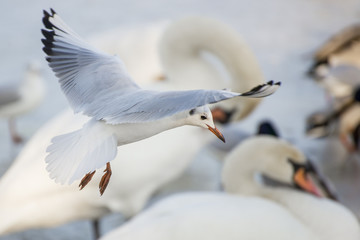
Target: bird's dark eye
point(192, 111)
point(203, 117)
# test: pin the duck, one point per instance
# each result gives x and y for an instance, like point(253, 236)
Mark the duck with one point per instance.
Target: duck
point(340, 51)
point(269, 194)
point(22, 98)
point(137, 180)
point(343, 122)
point(336, 68)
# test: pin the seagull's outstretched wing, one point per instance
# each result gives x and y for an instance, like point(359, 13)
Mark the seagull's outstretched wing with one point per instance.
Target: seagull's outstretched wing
point(99, 86)
point(86, 75)
point(145, 105)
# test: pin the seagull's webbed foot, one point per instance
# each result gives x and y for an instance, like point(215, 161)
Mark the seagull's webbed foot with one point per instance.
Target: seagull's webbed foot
point(86, 179)
point(105, 179)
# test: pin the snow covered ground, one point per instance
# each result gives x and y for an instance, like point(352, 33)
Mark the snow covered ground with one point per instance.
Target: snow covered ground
point(282, 34)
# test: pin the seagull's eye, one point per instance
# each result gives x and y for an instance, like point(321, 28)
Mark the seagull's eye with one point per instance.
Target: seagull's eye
point(192, 111)
point(203, 117)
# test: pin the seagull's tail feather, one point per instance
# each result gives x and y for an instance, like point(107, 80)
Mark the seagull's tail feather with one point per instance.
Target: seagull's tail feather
point(75, 154)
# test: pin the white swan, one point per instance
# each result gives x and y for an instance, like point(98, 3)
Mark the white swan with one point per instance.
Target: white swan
point(137, 47)
point(16, 100)
point(154, 162)
point(262, 212)
point(188, 59)
point(202, 54)
point(29, 196)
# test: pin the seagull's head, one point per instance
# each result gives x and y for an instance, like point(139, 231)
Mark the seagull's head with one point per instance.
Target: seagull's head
point(202, 117)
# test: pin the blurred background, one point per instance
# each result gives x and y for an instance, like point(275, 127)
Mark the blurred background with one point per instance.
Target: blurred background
point(282, 34)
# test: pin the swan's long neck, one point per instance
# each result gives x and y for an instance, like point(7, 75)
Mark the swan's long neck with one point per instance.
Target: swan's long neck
point(240, 177)
point(203, 53)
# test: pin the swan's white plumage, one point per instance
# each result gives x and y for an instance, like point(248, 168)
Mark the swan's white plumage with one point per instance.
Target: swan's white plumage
point(255, 211)
point(213, 216)
point(224, 62)
point(28, 196)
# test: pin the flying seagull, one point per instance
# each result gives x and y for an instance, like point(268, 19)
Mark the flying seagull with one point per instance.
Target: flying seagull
point(98, 85)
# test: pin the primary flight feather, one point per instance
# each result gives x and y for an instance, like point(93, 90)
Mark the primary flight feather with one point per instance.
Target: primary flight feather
point(98, 85)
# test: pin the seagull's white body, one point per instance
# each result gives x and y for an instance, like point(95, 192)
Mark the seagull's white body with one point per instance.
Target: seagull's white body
point(99, 86)
point(255, 211)
point(98, 140)
point(141, 168)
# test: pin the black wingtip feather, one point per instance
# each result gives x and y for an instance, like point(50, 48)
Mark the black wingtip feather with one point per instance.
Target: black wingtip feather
point(48, 41)
point(49, 35)
point(52, 11)
point(47, 50)
point(257, 88)
point(46, 21)
point(46, 13)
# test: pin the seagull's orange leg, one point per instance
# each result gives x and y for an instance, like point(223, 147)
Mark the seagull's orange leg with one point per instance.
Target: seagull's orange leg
point(86, 179)
point(105, 179)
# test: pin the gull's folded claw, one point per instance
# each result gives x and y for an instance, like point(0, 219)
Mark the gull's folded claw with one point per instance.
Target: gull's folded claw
point(105, 179)
point(86, 179)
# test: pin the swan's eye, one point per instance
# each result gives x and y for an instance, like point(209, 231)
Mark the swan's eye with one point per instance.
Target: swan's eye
point(203, 117)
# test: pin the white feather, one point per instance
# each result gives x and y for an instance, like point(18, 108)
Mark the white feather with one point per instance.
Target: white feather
point(75, 154)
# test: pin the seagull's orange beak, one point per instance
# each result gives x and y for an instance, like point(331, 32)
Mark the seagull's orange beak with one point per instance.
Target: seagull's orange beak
point(305, 183)
point(216, 132)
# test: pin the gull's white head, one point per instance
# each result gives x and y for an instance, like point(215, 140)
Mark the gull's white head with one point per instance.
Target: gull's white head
point(202, 117)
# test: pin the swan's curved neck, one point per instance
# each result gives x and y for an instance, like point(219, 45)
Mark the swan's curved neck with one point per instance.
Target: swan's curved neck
point(203, 53)
point(240, 177)
point(190, 38)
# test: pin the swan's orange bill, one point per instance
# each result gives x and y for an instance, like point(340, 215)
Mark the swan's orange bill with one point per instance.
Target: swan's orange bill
point(217, 133)
point(305, 183)
point(219, 115)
